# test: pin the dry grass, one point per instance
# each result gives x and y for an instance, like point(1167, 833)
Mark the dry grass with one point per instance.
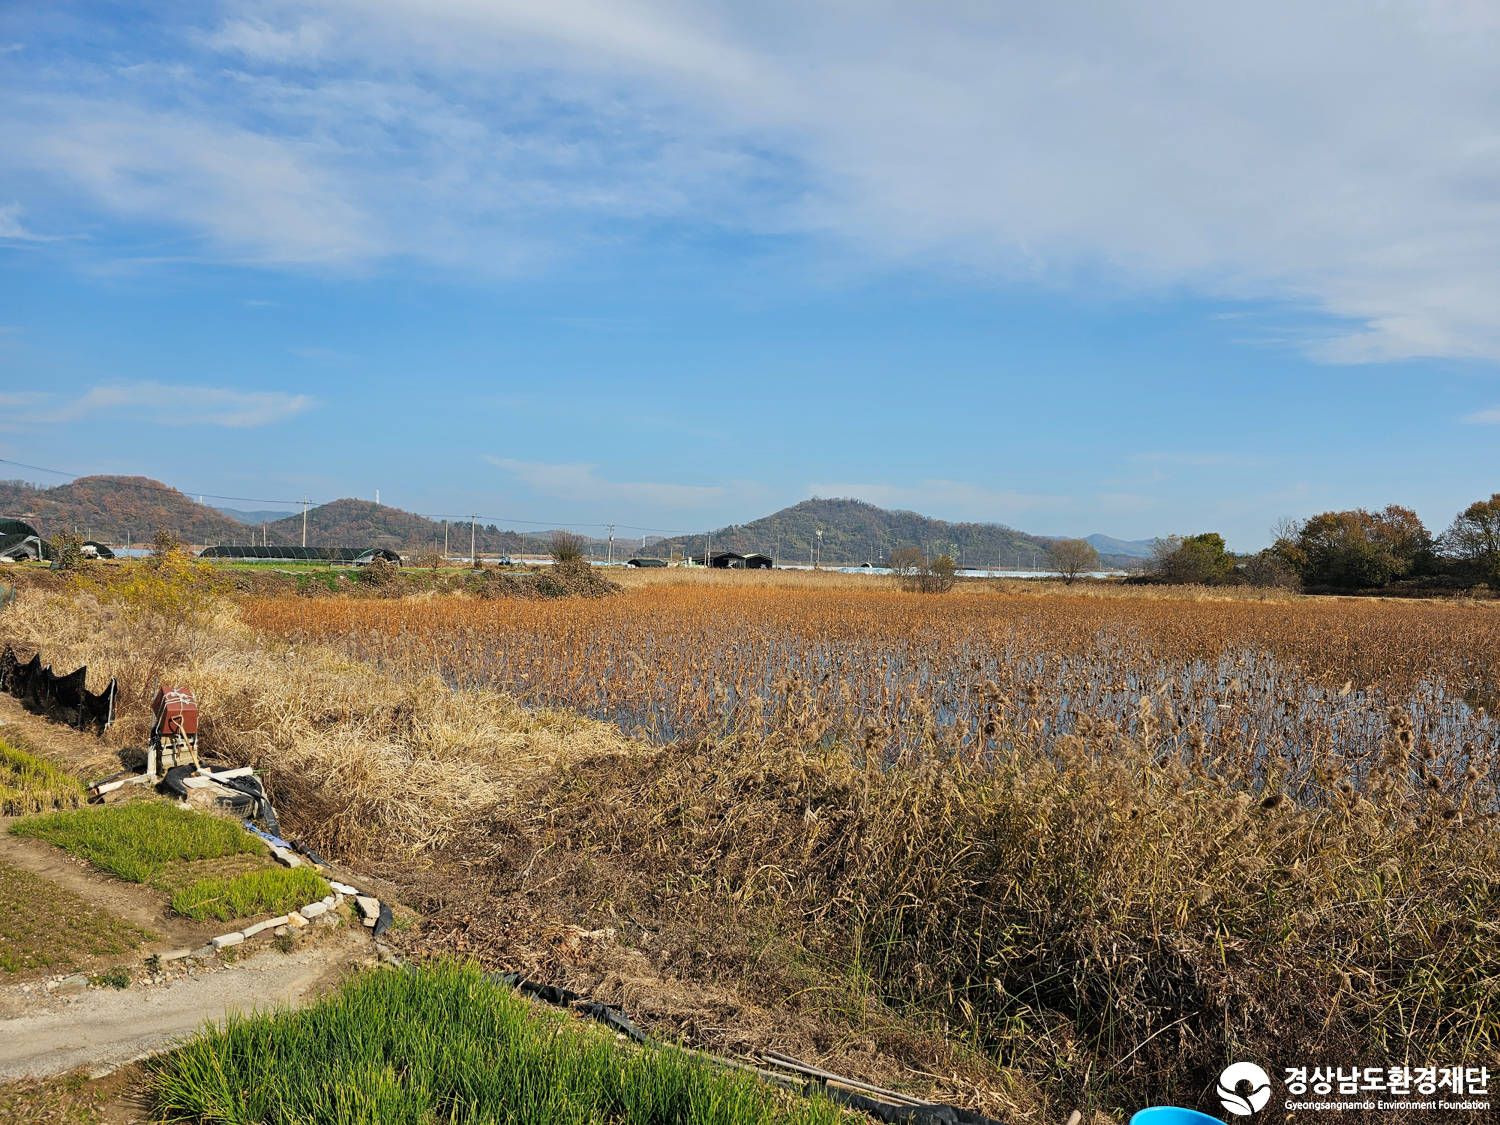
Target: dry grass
point(357, 762)
point(1108, 843)
point(1058, 850)
point(699, 578)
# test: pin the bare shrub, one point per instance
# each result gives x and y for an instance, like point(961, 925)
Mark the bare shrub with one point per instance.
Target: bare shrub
point(1072, 557)
point(1268, 569)
point(567, 546)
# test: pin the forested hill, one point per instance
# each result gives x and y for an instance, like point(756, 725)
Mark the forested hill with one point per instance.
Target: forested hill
point(360, 523)
point(117, 510)
point(114, 509)
point(855, 532)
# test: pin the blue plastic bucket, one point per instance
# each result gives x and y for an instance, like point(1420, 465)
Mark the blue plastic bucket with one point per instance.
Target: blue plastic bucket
point(1171, 1115)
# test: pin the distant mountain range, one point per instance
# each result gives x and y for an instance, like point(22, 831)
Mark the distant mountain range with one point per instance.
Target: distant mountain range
point(1128, 548)
point(854, 532)
point(119, 509)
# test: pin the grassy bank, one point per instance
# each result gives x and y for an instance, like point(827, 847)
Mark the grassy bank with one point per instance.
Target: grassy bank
point(444, 1044)
point(31, 784)
point(136, 841)
point(273, 890)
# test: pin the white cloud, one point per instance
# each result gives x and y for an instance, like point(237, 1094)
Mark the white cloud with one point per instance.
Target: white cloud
point(974, 501)
point(576, 481)
point(1485, 417)
point(1331, 156)
point(22, 398)
point(182, 406)
point(11, 229)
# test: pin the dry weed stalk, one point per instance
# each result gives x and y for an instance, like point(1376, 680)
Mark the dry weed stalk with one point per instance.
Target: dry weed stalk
point(360, 763)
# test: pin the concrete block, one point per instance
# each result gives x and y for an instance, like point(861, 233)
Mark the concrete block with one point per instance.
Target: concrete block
point(224, 940)
point(313, 909)
point(73, 985)
point(174, 955)
point(269, 923)
point(342, 888)
point(284, 857)
point(369, 909)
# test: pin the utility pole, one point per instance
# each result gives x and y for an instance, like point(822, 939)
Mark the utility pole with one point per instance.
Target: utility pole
point(445, 540)
point(304, 519)
point(820, 549)
point(611, 556)
point(473, 550)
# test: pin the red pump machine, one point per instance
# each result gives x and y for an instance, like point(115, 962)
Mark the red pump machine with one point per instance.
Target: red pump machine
point(174, 730)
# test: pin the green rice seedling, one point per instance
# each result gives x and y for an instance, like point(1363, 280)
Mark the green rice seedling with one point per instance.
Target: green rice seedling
point(31, 784)
point(445, 1044)
point(272, 890)
point(136, 841)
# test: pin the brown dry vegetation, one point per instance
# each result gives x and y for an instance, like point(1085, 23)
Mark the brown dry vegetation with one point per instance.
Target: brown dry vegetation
point(1028, 851)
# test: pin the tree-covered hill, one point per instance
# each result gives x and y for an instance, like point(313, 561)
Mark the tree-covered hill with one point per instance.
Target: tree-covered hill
point(855, 532)
point(116, 510)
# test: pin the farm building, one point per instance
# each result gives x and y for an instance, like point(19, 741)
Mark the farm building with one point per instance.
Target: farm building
point(19, 540)
point(355, 556)
point(733, 560)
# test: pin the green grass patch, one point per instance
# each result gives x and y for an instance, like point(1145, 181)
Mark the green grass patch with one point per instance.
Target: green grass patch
point(443, 1044)
point(271, 890)
point(136, 841)
point(31, 784)
point(45, 926)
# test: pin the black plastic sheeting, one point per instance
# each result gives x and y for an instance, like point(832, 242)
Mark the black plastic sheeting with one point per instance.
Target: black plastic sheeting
point(617, 1020)
point(62, 697)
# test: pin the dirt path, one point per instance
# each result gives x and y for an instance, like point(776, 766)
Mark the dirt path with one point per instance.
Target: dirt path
point(43, 1034)
point(50, 1028)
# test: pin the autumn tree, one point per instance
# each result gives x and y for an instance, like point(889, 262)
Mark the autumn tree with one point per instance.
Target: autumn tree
point(1196, 560)
point(1357, 549)
point(1474, 539)
point(1072, 557)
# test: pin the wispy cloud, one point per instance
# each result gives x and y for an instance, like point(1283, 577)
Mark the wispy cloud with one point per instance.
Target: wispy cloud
point(1278, 151)
point(965, 499)
point(1490, 417)
point(22, 398)
point(11, 229)
point(181, 406)
point(577, 481)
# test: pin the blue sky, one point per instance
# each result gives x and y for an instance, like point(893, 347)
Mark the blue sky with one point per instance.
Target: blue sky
point(1131, 269)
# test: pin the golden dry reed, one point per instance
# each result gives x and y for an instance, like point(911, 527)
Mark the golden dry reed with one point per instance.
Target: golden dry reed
point(1304, 680)
point(1114, 843)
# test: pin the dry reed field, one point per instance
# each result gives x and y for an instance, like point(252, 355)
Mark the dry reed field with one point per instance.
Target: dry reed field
point(1030, 851)
point(1110, 844)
